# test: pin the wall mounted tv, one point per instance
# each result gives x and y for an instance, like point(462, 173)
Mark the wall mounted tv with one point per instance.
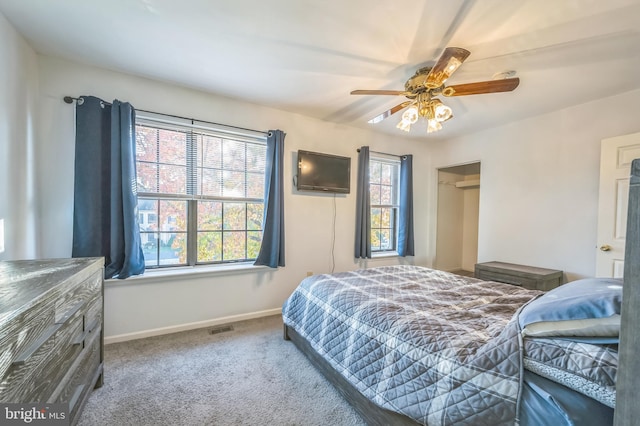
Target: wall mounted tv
point(323, 172)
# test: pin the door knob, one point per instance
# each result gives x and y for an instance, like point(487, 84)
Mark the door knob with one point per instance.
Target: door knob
point(605, 247)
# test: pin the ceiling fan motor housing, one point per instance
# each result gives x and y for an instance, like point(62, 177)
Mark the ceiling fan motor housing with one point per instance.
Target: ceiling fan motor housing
point(417, 83)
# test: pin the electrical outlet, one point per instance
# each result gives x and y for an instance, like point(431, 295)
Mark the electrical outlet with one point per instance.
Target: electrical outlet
point(309, 273)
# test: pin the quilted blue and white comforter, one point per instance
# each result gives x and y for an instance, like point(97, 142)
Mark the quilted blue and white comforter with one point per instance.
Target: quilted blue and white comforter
point(436, 347)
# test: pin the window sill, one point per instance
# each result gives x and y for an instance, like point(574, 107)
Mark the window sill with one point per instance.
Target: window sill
point(165, 274)
point(384, 254)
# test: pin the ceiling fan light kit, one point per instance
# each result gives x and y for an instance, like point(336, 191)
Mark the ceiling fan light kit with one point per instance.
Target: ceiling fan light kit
point(428, 82)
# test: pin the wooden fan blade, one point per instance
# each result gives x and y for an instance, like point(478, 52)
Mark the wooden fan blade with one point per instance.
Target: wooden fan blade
point(491, 86)
point(447, 64)
point(389, 112)
point(378, 92)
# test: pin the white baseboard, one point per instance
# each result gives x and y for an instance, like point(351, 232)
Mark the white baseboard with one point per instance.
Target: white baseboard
point(190, 326)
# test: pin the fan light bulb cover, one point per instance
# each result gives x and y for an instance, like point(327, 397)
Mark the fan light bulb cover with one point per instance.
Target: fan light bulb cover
point(433, 126)
point(443, 112)
point(410, 115)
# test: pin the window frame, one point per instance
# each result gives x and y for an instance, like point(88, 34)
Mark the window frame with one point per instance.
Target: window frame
point(394, 206)
point(193, 195)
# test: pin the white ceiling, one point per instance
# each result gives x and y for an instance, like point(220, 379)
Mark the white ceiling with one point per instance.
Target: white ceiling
point(305, 56)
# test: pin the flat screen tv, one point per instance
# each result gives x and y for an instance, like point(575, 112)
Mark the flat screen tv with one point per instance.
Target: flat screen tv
point(323, 172)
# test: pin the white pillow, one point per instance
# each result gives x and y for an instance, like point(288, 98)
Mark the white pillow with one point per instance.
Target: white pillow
point(608, 326)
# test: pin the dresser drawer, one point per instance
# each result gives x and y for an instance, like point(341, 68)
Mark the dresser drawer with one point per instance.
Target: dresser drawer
point(34, 373)
point(79, 379)
point(24, 335)
point(66, 350)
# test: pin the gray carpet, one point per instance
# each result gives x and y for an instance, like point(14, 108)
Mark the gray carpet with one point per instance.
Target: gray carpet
point(248, 376)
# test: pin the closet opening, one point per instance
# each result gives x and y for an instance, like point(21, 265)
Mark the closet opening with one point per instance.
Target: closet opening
point(457, 220)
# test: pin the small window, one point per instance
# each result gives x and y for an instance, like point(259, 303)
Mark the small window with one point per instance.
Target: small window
point(200, 193)
point(384, 176)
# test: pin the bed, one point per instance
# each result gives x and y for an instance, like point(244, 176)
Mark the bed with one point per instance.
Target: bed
point(411, 345)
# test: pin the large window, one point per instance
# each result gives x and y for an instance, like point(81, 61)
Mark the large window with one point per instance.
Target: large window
point(384, 175)
point(200, 193)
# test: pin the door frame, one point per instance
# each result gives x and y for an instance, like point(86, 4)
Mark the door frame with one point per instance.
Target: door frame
point(615, 168)
point(434, 210)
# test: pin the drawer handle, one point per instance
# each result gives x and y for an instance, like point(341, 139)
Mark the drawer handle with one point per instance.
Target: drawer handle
point(75, 397)
point(88, 331)
point(71, 312)
point(27, 353)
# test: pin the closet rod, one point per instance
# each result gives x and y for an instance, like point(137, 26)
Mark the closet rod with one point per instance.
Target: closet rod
point(70, 99)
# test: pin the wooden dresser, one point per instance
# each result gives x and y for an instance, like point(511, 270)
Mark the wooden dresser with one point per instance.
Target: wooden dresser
point(51, 339)
point(526, 276)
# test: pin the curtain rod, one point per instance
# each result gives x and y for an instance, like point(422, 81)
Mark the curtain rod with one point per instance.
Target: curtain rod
point(80, 101)
point(385, 153)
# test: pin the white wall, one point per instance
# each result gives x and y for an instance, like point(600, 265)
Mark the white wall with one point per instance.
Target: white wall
point(539, 194)
point(18, 96)
point(136, 305)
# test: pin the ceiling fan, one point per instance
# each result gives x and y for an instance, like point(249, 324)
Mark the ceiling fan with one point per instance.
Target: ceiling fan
point(427, 83)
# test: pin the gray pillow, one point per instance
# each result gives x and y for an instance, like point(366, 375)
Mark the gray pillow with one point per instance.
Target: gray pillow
point(588, 307)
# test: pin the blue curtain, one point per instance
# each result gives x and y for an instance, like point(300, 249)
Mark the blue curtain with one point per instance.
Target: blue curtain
point(272, 247)
point(363, 206)
point(405, 221)
point(105, 206)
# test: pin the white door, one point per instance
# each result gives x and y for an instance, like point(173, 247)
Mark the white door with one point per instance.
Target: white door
point(615, 167)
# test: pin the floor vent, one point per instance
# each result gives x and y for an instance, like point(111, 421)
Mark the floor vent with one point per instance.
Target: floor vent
point(221, 329)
